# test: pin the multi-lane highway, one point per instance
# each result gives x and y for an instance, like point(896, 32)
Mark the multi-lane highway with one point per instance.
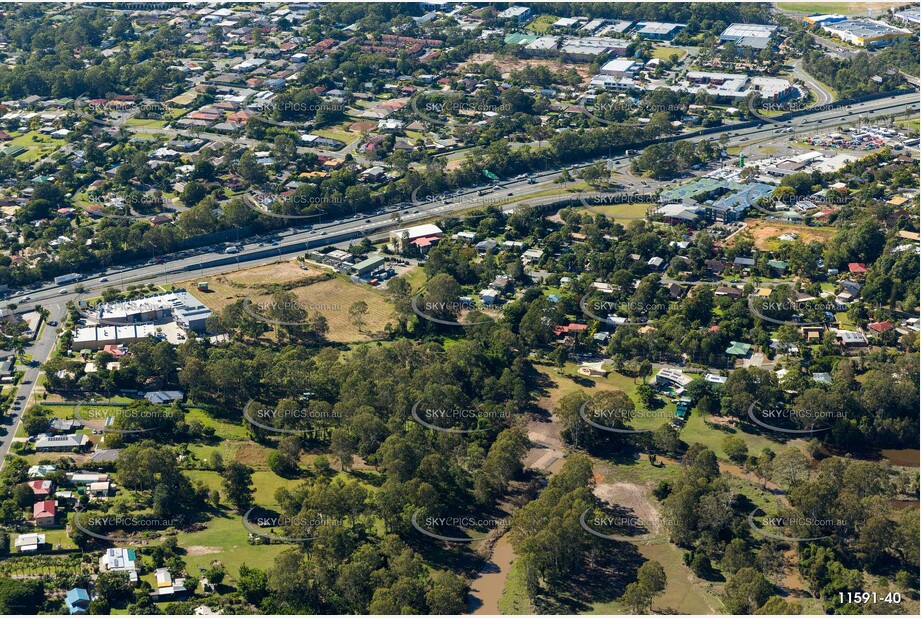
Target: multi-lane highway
point(187, 265)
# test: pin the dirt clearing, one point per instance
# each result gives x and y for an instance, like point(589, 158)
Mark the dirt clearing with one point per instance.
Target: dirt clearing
point(765, 233)
point(507, 64)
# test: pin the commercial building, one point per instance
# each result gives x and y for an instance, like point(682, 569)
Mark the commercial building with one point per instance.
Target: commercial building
point(866, 32)
point(732, 207)
point(756, 36)
point(589, 48)
point(910, 16)
point(518, 13)
point(823, 20)
point(658, 31)
point(182, 307)
point(420, 236)
point(736, 86)
point(618, 26)
point(620, 68)
point(369, 264)
point(611, 83)
point(542, 46)
point(98, 337)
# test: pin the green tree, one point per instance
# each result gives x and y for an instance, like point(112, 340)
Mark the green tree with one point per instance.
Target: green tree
point(735, 449)
point(746, 591)
point(237, 482)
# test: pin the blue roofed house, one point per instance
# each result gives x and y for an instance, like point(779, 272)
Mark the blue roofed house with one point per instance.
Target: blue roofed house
point(77, 601)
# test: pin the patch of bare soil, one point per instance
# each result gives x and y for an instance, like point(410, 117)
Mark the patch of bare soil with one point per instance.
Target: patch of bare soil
point(202, 550)
point(633, 498)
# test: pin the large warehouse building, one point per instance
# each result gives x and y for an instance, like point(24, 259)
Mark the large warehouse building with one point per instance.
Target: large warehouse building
point(866, 32)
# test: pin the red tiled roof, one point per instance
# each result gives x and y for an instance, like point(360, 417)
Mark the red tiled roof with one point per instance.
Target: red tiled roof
point(425, 241)
point(45, 508)
point(114, 350)
point(569, 328)
point(880, 327)
point(40, 487)
point(857, 267)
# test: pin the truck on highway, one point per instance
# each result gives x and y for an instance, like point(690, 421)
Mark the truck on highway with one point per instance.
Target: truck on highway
point(62, 279)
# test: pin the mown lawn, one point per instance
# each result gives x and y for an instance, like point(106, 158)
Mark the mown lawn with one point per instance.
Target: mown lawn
point(542, 23)
point(149, 123)
point(664, 53)
point(222, 429)
point(684, 593)
point(841, 8)
point(696, 430)
point(265, 483)
point(622, 213)
point(331, 298)
point(225, 539)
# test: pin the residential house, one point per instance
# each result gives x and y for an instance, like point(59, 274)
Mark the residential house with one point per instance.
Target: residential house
point(44, 513)
point(167, 587)
point(851, 339)
point(672, 379)
point(676, 291)
point(857, 268)
point(715, 266)
point(164, 397)
point(743, 263)
point(100, 489)
point(41, 489)
point(778, 265)
point(738, 348)
point(501, 283)
point(85, 478)
point(880, 327)
point(489, 297)
point(726, 290)
point(62, 443)
point(77, 601)
point(41, 470)
point(120, 559)
point(64, 425)
point(29, 543)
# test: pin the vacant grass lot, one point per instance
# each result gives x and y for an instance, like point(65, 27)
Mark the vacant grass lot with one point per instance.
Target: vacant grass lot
point(696, 430)
point(265, 483)
point(623, 213)
point(664, 53)
point(542, 23)
point(225, 539)
point(37, 145)
point(340, 133)
point(331, 298)
point(684, 592)
point(559, 385)
point(765, 233)
point(842, 8)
